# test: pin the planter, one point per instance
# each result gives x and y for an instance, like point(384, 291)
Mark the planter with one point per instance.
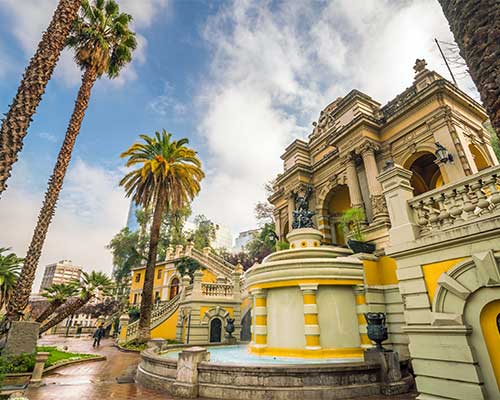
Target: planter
point(361, 247)
point(14, 382)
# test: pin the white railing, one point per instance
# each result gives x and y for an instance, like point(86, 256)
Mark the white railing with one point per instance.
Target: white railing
point(161, 312)
point(458, 203)
point(217, 289)
point(214, 262)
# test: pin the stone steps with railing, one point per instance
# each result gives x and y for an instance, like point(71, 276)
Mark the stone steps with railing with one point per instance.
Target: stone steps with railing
point(161, 312)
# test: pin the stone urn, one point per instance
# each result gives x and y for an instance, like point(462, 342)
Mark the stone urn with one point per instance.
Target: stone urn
point(377, 331)
point(229, 328)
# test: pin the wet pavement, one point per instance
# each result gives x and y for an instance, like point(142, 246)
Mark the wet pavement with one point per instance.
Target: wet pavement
point(98, 379)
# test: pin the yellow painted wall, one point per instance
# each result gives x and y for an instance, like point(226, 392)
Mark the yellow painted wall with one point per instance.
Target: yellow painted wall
point(166, 330)
point(208, 276)
point(169, 269)
point(492, 335)
point(433, 271)
point(381, 272)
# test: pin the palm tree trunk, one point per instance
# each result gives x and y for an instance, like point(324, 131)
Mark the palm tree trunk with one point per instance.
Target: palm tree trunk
point(20, 298)
point(144, 332)
point(476, 27)
point(49, 310)
point(32, 86)
point(69, 309)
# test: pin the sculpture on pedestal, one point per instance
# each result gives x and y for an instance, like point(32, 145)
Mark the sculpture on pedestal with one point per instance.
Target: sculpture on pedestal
point(302, 216)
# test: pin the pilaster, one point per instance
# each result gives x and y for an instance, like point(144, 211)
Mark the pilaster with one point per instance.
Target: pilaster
point(311, 321)
point(259, 317)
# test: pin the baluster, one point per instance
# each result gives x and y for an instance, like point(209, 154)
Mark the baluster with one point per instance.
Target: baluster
point(433, 213)
point(422, 217)
point(470, 201)
point(493, 188)
point(456, 210)
point(482, 203)
point(444, 214)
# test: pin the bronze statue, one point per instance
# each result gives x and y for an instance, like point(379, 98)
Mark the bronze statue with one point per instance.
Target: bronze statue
point(302, 216)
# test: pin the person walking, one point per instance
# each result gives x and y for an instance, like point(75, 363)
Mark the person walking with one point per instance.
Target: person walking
point(98, 335)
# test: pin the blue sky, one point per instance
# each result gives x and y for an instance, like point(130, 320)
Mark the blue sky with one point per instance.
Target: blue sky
point(240, 79)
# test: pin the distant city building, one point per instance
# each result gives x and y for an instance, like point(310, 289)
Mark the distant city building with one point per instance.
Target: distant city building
point(243, 239)
point(132, 223)
point(223, 238)
point(60, 272)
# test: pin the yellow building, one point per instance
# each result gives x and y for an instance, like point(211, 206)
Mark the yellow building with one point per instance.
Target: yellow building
point(423, 170)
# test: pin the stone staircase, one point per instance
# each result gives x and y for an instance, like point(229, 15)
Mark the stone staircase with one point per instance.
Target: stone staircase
point(161, 312)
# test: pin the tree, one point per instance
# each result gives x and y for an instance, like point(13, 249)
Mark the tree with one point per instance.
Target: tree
point(103, 44)
point(107, 307)
point(32, 87)
point(57, 294)
point(204, 232)
point(126, 253)
point(91, 284)
point(10, 266)
point(187, 266)
point(475, 26)
point(241, 257)
point(264, 212)
point(167, 178)
point(263, 244)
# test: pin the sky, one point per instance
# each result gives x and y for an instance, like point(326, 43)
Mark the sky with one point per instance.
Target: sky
point(240, 79)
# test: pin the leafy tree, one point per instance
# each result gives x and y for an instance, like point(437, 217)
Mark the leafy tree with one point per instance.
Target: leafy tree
point(126, 253)
point(204, 233)
point(241, 257)
point(474, 24)
point(10, 265)
point(167, 178)
point(103, 44)
point(107, 307)
point(187, 266)
point(494, 140)
point(57, 294)
point(30, 91)
point(91, 284)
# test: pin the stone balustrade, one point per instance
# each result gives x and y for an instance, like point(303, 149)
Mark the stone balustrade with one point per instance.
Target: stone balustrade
point(458, 203)
point(217, 289)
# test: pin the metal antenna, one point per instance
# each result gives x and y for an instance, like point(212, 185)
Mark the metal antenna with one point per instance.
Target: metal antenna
point(446, 62)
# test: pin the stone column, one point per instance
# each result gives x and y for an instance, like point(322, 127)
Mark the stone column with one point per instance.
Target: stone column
point(291, 208)
point(353, 181)
point(124, 319)
point(179, 249)
point(236, 282)
point(197, 294)
point(379, 208)
point(169, 253)
point(36, 377)
point(260, 317)
point(397, 192)
point(311, 321)
point(186, 380)
point(189, 248)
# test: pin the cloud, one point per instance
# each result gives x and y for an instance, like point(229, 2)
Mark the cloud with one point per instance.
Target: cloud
point(29, 18)
point(275, 65)
point(166, 104)
point(91, 209)
point(48, 136)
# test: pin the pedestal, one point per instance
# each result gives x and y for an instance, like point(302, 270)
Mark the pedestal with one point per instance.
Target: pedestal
point(186, 381)
point(22, 338)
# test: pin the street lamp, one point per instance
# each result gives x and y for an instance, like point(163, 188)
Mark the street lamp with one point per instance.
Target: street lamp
point(442, 153)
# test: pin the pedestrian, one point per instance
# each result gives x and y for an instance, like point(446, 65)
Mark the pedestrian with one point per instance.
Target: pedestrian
point(98, 335)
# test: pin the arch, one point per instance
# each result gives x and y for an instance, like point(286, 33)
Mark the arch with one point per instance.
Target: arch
point(462, 296)
point(246, 323)
point(173, 287)
point(332, 206)
point(212, 313)
point(426, 173)
point(479, 158)
point(215, 330)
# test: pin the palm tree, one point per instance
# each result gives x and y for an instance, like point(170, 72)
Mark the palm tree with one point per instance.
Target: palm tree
point(57, 294)
point(90, 286)
point(10, 266)
point(476, 28)
point(32, 86)
point(103, 44)
point(167, 178)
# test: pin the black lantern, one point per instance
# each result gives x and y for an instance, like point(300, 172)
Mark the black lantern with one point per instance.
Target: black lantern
point(442, 153)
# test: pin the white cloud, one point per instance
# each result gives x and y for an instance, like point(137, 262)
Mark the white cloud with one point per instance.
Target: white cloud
point(29, 18)
point(92, 208)
point(275, 65)
point(48, 136)
point(166, 104)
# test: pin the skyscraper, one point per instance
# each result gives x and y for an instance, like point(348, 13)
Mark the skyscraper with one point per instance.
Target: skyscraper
point(60, 272)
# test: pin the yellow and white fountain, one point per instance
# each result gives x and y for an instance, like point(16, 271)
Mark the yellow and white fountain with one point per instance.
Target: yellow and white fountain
point(304, 298)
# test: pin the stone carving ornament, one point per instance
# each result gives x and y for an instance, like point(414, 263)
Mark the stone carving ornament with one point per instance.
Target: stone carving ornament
point(302, 216)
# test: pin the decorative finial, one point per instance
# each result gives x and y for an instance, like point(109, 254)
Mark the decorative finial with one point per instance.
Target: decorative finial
point(420, 65)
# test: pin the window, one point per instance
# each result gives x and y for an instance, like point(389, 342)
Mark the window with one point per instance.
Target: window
point(159, 274)
point(137, 277)
point(135, 298)
point(157, 297)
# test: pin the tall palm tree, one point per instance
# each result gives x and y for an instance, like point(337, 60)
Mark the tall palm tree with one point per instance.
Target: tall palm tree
point(10, 265)
point(32, 86)
point(57, 294)
point(90, 286)
point(476, 27)
point(167, 178)
point(103, 44)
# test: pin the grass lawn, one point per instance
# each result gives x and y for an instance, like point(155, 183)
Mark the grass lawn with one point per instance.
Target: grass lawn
point(57, 356)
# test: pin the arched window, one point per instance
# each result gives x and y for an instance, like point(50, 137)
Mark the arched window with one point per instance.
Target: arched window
point(215, 330)
point(174, 288)
point(479, 159)
point(426, 173)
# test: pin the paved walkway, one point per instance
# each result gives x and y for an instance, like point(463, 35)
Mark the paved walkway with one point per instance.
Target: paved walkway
point(97, 380)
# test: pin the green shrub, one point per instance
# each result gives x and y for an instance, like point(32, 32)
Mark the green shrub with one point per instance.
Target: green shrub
point(352, 220)
point(282, 245)
point(16, 364)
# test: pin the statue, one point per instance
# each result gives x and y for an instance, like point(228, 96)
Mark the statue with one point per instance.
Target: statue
point(302, 216)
